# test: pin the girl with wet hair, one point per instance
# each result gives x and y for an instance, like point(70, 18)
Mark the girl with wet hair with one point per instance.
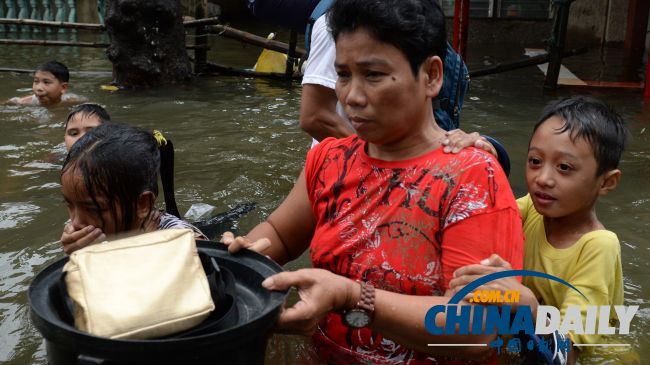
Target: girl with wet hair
point(110, 183)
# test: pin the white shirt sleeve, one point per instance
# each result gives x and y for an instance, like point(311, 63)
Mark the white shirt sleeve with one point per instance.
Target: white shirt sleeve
point(320, 65)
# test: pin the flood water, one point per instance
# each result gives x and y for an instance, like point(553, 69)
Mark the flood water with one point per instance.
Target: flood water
point(237, 140)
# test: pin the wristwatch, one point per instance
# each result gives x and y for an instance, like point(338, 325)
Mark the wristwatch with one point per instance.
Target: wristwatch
point(361, 315)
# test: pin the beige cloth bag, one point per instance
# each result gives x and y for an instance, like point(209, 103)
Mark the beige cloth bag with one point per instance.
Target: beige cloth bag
point(139, 287)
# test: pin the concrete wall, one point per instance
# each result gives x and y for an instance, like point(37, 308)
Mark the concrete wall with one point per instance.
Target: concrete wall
point(593, 22)
point(531, 33)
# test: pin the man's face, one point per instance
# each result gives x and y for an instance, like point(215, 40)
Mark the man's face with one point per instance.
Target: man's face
point(47, 88)
point(377, 88)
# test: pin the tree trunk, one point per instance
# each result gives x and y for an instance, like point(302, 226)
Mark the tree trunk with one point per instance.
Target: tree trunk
point(147, 43)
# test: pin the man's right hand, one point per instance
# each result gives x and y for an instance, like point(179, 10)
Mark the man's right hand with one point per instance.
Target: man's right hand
point(75, 239)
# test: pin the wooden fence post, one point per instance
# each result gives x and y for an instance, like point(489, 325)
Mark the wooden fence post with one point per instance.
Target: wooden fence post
point(557, 42)
point(461, 26)
point(200, 39)
point(291, 54)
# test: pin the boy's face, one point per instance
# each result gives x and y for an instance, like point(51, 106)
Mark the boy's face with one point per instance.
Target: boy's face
point(561, 173)
point(78, 125)
point(378, 90)
point(47, 88)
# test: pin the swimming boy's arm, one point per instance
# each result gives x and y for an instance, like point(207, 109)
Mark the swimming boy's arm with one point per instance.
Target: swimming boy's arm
point(21, 100)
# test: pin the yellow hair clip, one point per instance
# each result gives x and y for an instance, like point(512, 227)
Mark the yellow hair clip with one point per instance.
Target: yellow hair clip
point(159, 137)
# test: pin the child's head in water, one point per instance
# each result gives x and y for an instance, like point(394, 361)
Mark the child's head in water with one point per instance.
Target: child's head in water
point(110, 179)
point(50, 82)
point(81, 119)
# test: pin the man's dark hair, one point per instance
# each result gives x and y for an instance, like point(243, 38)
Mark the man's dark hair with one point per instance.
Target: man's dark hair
point(600, 125)
point(59, 70)
point(119, 162)
point(416, 27)
point(88, 109)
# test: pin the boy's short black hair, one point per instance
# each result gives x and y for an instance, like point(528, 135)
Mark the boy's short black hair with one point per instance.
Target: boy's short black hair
point(88, 109)
point(59, 70)
point(415, 27)
point(600, 125)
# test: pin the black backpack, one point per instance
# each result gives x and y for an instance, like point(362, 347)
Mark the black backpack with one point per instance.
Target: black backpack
point(292, 14)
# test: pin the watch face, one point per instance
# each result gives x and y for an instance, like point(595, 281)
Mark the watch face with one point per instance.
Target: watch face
point(357, 318)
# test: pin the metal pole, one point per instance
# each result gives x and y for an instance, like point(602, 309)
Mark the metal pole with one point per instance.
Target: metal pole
point(200, 38)
point(461, 26)
point(253, 39)
point(646, 93)
point(43, 23)
point(557, 42)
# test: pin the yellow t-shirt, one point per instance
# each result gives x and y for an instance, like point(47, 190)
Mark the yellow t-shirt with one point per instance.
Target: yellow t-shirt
point(592, 265)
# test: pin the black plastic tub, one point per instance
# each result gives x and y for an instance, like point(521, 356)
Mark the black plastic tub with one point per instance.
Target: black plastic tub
point(242, 341)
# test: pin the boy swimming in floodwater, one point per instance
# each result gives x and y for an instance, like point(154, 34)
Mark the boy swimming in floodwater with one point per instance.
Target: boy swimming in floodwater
point(50, 86)
point(81, 119)
point(573, 159)
point(110, 183)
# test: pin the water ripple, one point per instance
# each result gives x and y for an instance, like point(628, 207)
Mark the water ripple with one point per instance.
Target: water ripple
point(13, 215)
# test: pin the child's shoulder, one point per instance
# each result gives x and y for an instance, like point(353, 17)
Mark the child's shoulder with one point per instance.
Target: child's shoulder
point(71, 98)
point(603, 236)
point(600, 241)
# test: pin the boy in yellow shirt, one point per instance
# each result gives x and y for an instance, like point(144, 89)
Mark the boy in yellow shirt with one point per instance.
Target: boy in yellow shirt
point(573, 159)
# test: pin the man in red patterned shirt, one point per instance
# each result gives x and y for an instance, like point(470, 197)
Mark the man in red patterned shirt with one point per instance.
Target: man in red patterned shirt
point(387, 215)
